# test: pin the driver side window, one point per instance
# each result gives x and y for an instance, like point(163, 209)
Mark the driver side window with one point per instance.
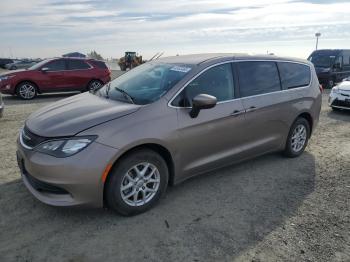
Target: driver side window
point(216, 81)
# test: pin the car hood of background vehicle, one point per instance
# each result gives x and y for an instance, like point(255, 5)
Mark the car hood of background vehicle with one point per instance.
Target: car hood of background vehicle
point(345, 85)
point(13, 72)
point(75, 114)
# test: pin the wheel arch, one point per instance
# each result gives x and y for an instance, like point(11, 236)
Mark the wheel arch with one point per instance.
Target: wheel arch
point(160, 149)
point(308, 117)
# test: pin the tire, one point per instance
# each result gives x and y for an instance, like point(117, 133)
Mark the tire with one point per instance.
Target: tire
point(330, 83)
point(94, 85)
point(293, 147)
point(123, 200)
point(26, 90)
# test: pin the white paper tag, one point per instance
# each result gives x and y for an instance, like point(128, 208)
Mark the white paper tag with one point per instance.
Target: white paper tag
point(180, 69)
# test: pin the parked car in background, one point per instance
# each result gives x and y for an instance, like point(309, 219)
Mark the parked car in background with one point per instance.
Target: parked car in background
point(56, 75)
point(163, 122)
point(339, 98)
point(332, 65)
point(5, 61)
point(20, 64)
point(2, 106)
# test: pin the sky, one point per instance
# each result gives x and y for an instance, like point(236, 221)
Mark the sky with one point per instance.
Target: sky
point(47, 28)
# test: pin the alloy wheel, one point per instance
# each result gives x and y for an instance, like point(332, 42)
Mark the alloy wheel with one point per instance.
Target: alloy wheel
point(94, 86)
point(27, 91)
point(299, 137)
point(140, 184)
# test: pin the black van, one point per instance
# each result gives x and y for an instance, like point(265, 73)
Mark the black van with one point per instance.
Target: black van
point(332, 65)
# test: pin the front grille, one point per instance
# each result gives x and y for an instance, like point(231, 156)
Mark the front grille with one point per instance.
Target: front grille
point(44, 187)
point(30, 139)
point(341, 103)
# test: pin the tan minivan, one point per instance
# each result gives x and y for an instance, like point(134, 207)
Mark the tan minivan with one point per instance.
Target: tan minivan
point(163, 122)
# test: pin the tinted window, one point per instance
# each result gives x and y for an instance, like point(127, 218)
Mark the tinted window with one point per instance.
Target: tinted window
point(77, 65)
point(258, 78)
point(217, 81)
point(346, 59)
point(56, 65)
point(294, 75)
point(100, 64)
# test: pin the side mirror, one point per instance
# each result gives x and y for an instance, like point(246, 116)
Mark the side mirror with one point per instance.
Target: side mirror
point(44, 69)
point(202, 101)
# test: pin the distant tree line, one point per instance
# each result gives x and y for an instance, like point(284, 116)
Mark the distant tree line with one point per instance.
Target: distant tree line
point(94, 55)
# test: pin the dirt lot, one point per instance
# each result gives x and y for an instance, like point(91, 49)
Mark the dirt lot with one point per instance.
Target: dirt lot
point(268, 209)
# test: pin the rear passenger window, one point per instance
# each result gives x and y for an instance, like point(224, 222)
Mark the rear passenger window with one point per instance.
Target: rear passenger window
point(258, 78)
point(77, 65)
point(294, 75)
point(100, 64)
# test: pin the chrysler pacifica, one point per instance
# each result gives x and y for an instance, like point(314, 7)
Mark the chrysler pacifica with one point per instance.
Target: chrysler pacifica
point(163, 122)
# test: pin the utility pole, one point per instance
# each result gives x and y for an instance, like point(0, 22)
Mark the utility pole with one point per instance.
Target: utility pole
point(317, 36)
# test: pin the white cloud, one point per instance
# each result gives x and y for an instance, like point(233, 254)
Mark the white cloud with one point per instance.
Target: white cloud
point(111, 27)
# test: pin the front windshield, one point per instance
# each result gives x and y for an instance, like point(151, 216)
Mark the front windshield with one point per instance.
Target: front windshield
point(145, 84)
point(38, 65)
point(322, 59)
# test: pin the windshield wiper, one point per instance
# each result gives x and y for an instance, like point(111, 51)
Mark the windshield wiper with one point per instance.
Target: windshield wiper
point(107, 90)
point(129, 97)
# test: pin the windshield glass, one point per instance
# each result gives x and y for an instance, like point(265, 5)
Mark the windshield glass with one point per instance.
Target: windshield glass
point(322, 58)
point(38, 65)
point(145, 84)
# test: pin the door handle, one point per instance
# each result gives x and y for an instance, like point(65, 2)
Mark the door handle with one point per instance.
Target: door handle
point(251, 109)
point(237, 112)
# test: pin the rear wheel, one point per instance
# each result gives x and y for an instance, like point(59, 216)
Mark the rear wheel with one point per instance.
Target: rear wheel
point(298, 137)
point(26, 90)
point(137, 183)
point(330, 83)
point(94, 85)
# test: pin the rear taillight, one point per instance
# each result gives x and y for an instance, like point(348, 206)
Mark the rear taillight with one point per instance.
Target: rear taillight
point(321, 87)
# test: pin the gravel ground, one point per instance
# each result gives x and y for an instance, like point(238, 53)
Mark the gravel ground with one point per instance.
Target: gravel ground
point(267, 209)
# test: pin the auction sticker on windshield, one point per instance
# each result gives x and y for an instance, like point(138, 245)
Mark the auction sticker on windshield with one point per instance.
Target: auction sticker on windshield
point(181, 69)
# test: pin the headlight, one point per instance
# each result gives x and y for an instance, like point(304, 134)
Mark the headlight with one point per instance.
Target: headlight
point(335, 90)
point(3, 78)
point(65, 147)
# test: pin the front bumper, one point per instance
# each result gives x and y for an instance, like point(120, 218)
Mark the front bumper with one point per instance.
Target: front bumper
point(69, 181)
point(339, 100)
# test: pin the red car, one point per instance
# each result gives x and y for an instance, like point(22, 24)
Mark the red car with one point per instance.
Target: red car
point(56, 75)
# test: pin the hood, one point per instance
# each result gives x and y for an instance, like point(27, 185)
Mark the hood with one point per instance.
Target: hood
point(75, 114)
point(345, 85)
point(13, 72)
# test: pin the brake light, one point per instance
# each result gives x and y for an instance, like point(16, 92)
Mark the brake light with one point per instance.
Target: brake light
point(321, 88)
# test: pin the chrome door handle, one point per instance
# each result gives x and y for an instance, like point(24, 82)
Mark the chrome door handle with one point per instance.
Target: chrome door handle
point(251, 109)
point(237, 112)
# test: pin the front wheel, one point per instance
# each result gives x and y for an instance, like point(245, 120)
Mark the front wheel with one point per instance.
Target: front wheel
point(297, 138)
point(26, 91)
point(137, 182)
